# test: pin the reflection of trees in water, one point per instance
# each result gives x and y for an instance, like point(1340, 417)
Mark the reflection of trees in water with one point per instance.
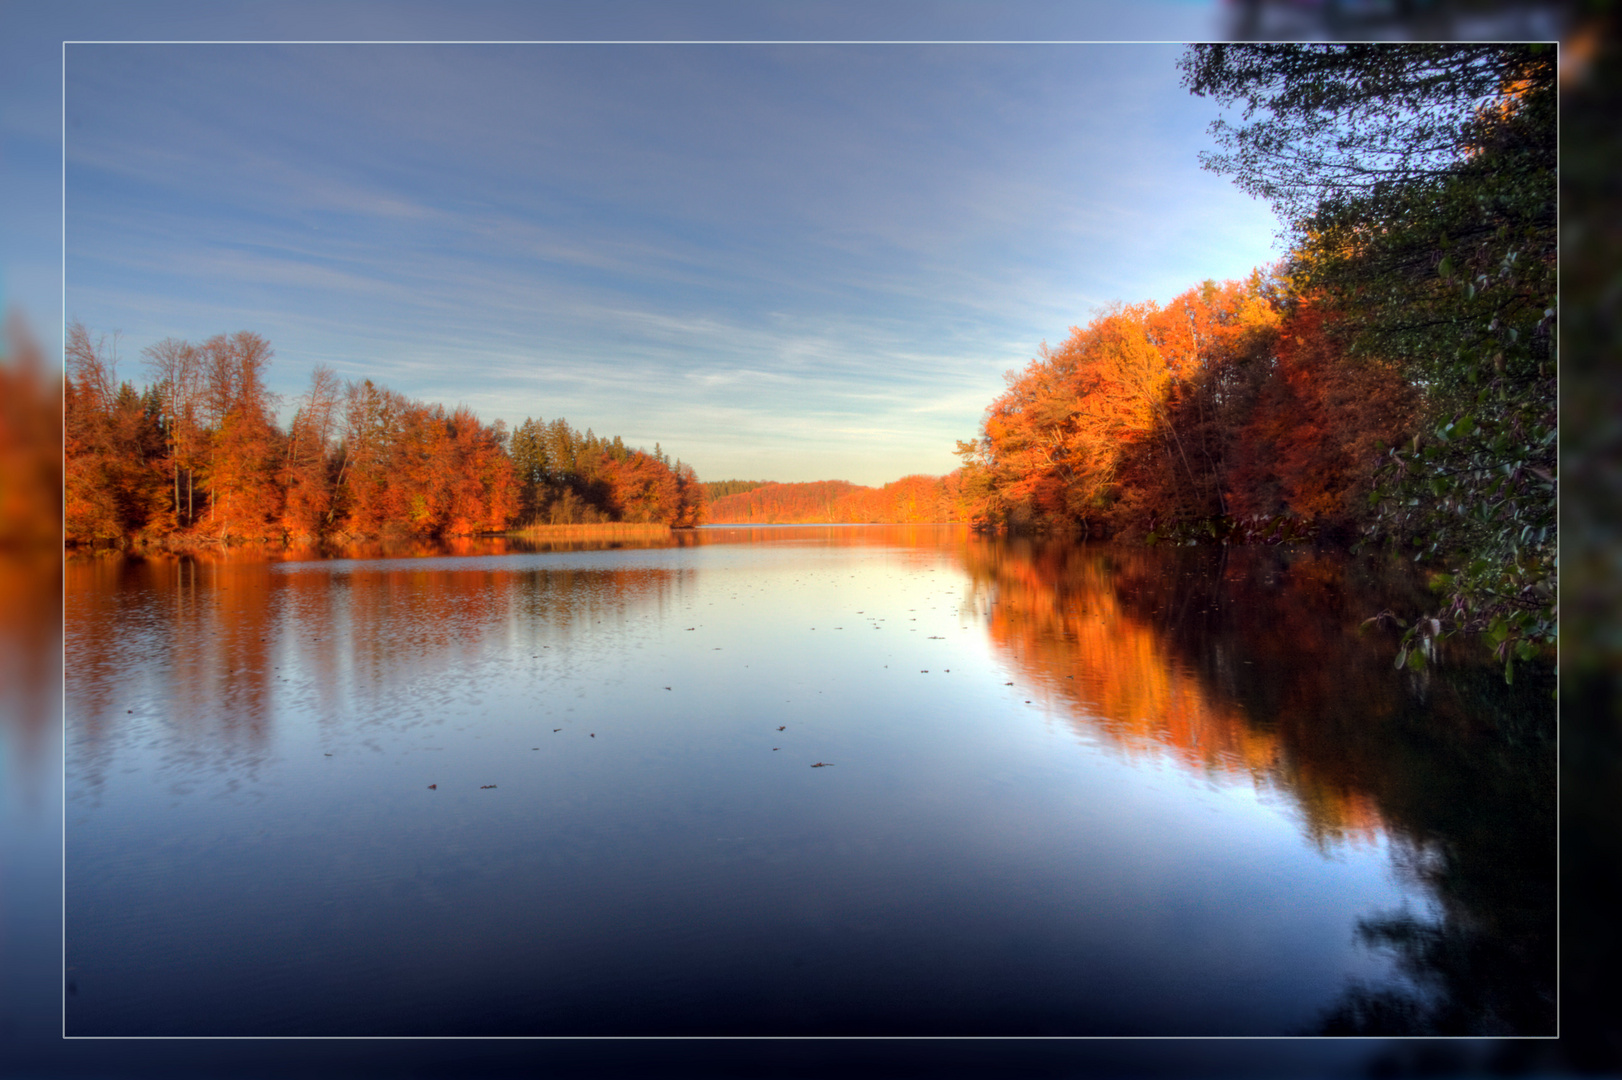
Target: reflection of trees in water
point(1075, 627)
point(1482, 808)
point(1250, 661)
point(183, 641)
point(202, 653)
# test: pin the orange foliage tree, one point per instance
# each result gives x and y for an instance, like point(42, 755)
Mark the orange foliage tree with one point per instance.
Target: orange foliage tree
point(308, 468)
point(1216, 340)
point(406, 467)
point(112, 485)
point(198, 456)
point(1052, 445)
point(245, 499)
point(1228, 403)
point(176, 367)
point(1313, 438)
point(917, 498)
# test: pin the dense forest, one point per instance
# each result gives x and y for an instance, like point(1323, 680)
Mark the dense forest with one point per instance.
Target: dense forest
point(196, 455)
point(1230, 406)
point(715, 489)
point(1393, 379)
point(910, 499)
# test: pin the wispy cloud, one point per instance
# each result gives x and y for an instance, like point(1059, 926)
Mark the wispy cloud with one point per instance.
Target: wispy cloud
point(819, 258)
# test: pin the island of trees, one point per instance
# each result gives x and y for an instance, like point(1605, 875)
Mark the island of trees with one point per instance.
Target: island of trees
point(196, 456)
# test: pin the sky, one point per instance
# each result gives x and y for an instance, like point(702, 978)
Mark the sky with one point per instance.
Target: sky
point(786, 262)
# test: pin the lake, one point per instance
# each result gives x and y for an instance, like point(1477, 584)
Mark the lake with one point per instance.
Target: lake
point(905, 780)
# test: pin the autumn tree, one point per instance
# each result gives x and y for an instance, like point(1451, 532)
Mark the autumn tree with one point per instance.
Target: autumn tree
point(1311, 442)
point(1417, 184)
point(471, 484)
point(1218, 343)
point(1052, 445)
point(198, 456)
point(112, 446)
point(369, 419)
point(915, 498)
point(176, 369)
point(641, 489)
point(307, 468)
point(244, 444)
point(692, 499)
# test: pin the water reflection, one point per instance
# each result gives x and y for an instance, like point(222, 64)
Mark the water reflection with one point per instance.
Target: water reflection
point(238, 675)
point(1251, 662)
point(201, 653)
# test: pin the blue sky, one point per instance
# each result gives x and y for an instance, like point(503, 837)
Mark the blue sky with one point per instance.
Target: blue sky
point(791, 262)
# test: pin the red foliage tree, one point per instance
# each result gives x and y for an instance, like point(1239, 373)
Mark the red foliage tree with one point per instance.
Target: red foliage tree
point(308, 466)
point(245, 498)
point(642, 489)
point(113, 483)
point(1311, 442)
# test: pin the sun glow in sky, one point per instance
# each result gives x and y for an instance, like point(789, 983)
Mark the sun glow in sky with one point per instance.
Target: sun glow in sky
point(787, 262)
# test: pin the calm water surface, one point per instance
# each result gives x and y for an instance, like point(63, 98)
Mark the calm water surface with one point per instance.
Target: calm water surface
point(1066, 789)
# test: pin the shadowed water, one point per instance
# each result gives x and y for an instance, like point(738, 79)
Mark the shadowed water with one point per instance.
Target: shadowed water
point(791, 781)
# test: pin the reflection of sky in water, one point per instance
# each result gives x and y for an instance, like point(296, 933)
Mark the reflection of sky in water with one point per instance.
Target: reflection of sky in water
point(250, 749)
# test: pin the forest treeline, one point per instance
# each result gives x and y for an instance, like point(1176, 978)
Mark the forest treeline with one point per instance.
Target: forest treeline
point(715, 489)
point(196, 455)
point(1233, 405)
point(910, 499)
